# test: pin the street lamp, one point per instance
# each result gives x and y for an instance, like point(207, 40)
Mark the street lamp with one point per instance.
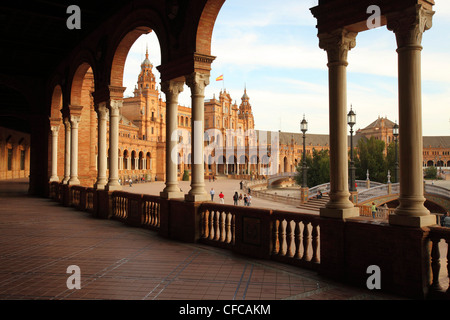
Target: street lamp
point(351, 120)
point(304, 128)
point(395, 132)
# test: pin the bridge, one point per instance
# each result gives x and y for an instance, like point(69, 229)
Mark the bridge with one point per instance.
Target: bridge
point(437, 197)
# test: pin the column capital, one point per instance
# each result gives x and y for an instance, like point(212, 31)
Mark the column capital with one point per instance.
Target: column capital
point(114, 106)
point(54, 124)
point(74, 120)
point(170, 87)
point(75, 110)
point(409, 25)
point(337, 44)
point(197, 82)
point(102, 110)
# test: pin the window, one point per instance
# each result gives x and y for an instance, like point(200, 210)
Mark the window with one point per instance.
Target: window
point(10, 159)
point(22, 159)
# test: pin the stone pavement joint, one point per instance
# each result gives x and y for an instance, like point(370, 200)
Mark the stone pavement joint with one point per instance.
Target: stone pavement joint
point(39, 239)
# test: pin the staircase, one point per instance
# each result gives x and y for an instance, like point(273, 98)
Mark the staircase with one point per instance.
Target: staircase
point(315, 204)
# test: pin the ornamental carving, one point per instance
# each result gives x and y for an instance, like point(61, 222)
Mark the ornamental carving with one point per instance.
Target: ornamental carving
point(197, 82)
point(172, 87)
point(337, 44)
point(409, 25)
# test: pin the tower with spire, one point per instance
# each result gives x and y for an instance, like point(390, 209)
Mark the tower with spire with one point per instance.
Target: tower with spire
point(245, 111)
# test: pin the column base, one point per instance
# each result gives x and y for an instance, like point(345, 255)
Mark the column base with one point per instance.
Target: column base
point(197, 197)
point(113, 187)
point(412, 221)
point(339, 213)
point(54, 179)
point(100, 186)
point(171, 194)
point(73, 182)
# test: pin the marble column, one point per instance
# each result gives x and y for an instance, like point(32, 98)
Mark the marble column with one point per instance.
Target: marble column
point(337, 44)
point(102, 113)
point(54, 127)
point(171, 89)
point(74, 121)
point(114, 115)
point(409, 26)
point(66, 150)
point(197, 83)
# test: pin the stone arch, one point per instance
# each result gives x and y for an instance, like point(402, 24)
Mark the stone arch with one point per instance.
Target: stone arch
point(206, 26)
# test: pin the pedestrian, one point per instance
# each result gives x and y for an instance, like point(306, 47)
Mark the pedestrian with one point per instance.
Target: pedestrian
point(245, 200)
point(212, 192)
point(209, 178)
point(249, 200)
point(240, 183)
point(235, 198)
point(447, 220)
point(240, 199)
point(131, 182)
point(221, 196)
point(374, 210)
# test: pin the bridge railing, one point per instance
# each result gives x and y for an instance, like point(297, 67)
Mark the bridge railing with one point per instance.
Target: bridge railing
point(436, 190)
point(378, 191)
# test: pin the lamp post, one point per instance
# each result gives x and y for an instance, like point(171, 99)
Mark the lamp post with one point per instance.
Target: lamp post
point(395, 132)
point(304, 128)
point(351, 120)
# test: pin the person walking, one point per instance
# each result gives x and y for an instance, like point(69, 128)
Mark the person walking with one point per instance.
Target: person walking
point(245, 200)
point(212, 192)
point(240, 199)
point(249, 200)
point(221, 196)
point(235, 198)
point(374, 210)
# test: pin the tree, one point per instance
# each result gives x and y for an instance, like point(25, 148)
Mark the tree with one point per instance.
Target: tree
point(318, 169)
point(390, 160)
point(431, 173)
point(371, 157)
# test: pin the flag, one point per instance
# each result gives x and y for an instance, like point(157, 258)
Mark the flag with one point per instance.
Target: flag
point(220, 78)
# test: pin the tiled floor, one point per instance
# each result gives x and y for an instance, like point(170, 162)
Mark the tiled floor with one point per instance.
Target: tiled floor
point(39, 240)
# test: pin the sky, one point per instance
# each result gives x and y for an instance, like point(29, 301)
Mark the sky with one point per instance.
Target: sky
point(273, 51)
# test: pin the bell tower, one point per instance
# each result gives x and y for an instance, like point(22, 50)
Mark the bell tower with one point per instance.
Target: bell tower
point(245, 112)
point(146, 90)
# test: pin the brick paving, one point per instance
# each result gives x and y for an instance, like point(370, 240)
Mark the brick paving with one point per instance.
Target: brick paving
point(39, 240)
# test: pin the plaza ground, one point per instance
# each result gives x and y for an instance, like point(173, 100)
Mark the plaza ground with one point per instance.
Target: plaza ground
point(40, 239)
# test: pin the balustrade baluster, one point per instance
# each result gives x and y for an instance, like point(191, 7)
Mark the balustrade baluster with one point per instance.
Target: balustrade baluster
point(315, 242)
point(282, 238)
point(448, 265)
point(289, 239)
point(222, 227)
point(275, 243)
point(306, 239)
point(228, 228)
point(298, 240)
point(206, 224)
point(217, 226)
point(153, 214)
point(435, 264)
point(211, 225)
point(233, 228)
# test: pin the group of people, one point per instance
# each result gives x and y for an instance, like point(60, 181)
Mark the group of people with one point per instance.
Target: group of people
point(237, 198)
